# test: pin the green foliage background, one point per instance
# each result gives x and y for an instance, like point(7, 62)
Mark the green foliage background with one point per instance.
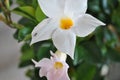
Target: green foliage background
point(91, 53)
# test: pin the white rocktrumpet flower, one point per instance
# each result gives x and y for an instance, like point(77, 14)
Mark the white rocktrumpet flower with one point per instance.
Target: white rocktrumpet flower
point(66, 19)
point(55, 68)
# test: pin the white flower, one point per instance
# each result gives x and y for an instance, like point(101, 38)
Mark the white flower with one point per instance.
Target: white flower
point(55, 68)
point(67, 19)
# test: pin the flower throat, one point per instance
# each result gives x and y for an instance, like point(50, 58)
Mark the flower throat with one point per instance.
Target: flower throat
point(66, 23)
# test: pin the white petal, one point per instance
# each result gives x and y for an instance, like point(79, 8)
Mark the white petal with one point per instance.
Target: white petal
point(85, 25)
point(64, 41)
point(61, 56)
point(76, 7)
point(43, 30)
point(52, 8)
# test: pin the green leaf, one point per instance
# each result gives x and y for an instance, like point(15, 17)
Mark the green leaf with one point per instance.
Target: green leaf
point(93, 6)
point(110, 38)
point(33, 3)
point(39, 14)
point(113, 55)
point(106, 8)
point(90, 52)
point(24, 2)
point(25, 11)
point(116, 19)
point(30, 73)
point(27, 55)
point(79, 55)
point(86, 71)
point(27, 22)
point(95, 10)
point(23, 33)
point(43, 51)
point(99, 36)
point(15, 35)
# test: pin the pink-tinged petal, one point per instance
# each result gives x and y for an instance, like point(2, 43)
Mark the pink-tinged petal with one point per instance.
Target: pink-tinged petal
point(54, 69)
point(52, 8)
point(64, 41)
point(43, 71)
point(54, 74)
point(35, 62)
point(76, 7)
point(65, 76)
point(43, 30)
point(86, 24)
point(53, 56)
point(43, 63)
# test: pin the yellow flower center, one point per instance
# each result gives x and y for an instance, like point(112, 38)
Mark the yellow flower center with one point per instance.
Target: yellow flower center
point(58, 65)
point(66, 23)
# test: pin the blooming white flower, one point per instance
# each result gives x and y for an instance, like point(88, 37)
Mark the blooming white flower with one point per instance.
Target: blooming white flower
point(67, 19)
point(55, 68)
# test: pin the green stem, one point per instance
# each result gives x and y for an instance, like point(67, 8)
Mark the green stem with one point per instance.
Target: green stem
point(8, 20)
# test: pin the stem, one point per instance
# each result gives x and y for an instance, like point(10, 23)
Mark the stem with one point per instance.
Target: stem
point(8, 20)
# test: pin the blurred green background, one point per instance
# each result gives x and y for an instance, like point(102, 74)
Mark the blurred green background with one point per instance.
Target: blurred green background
point(91, 53)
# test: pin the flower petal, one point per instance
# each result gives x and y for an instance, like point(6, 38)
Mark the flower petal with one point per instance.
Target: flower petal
point(54, 74)
point(44, 63)
point(64, 41)
point(76, 7)
point(85, 25)
point(43, 72)
point(35, 62)
point(65, 75)
point(52, 8)
point(43, 30)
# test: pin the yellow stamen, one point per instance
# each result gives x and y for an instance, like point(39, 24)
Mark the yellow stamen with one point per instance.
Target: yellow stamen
point(66, 23)
point(58, 65)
